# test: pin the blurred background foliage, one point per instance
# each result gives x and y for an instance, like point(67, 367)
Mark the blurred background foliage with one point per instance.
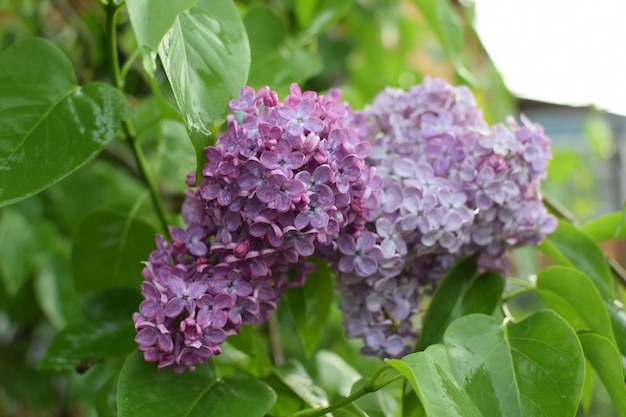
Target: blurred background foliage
point(358, 46)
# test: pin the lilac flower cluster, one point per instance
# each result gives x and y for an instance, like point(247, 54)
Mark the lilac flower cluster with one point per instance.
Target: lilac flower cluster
point(452, 186)
point(279, 185)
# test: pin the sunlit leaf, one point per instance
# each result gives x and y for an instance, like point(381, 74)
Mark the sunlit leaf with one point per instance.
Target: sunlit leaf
point(105, 329)
point(487, 368)
point(108, 251)
point(293, 375)
point(327, 13)
point(145, 391)
point(151, 20)
point(573, 296)
point(460, 292)
point(570, 247)
point(50, 125)
point(206, 58)
point(605, 359)
point(606, 227)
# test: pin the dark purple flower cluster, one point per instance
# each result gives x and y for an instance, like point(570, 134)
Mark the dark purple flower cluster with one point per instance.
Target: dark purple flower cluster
point(279, 185)
point(452, 187)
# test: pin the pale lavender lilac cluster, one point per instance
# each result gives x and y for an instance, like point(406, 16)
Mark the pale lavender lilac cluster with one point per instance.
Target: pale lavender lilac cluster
point(280, 185)
point(452, 187)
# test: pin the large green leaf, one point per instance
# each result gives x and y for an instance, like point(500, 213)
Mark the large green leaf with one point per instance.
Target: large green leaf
point(50, 125)
point(151, 20)
point(605, 359)
point(104, 330)
point(487, 368)
point(606, 227)
point(570, 247)
point(310, 306)
point(572, 295)
point(145, 391)
point(460, 292)
point(618, 321)
point(108, 251)
point(295, 376)
point(206, 57)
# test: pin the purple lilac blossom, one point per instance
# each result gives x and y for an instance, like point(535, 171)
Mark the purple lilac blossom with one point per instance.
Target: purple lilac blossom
point(453, 187)
point(279, 185)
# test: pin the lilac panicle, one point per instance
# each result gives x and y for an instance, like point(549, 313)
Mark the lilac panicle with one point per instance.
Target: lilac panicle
point(279, 185)
point(453, 186)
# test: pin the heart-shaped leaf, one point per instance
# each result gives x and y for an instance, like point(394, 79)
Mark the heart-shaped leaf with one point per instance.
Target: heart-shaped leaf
point(50, 125)
point(487, 368)
point(145, 391)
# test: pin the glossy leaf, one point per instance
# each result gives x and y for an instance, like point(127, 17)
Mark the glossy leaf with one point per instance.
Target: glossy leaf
point(570, 247)
point(206, 58)
point(300, 382)
point(151, 20)
point(572, 295)
point(487, 368)
point(145, 391)
point(104, 330)
point(310, 306)
point(108, 251)
point(605, 359)
point(460, 292)
point(606, 227)
point(277, 60)
point(50, 125)
point(334, 373)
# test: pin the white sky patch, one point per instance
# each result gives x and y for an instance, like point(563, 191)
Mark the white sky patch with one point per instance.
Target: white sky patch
point(560, 51)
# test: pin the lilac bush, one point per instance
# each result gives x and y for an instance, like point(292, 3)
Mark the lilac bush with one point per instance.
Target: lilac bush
point(453, 187)
point(279, 185)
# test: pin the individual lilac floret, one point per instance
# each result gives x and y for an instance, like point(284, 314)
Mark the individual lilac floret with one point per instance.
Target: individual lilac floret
point(279, 185)
point(453, 187)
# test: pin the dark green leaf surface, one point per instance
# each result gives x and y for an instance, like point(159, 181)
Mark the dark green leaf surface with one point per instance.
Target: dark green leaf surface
point(570, 247)
point(104, 330)
point(461, 292)
point(151, 20)
point(310, 306)
point(144, 391)
point(605, 359)
point(486, 368)
point(618, 321)
point(206, 58)
point(50, 125)
point(18, 242)
point(108, 251)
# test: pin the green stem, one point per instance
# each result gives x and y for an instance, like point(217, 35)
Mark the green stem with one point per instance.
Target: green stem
point(111, 8)
point(375, 383)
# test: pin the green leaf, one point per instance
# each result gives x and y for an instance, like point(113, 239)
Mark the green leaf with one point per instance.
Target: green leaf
point(151, 20)
point(104, 330)
point(334, 373)
point(449, 29)
point(460, 292)
point(570, 247)
point(572, 295)
point(310, 306)
point(605, 359)
point(108, 251)
point(606, 227)
point(486, 368)
point(206, 58)
point(145, 391)
point(54, 289)
point(298, 380)
point(327, 14)
point(18, 242)
point(50, 125)
point(617, 316)
point(304, 11)
point(277, 60)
